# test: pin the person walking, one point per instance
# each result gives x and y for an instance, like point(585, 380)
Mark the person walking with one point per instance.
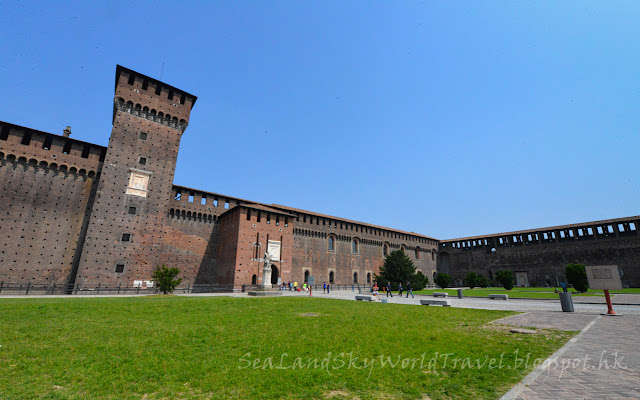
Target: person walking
point(564, 287)
point(389, 289)
point(409, 290)
point(328, 288)
point(324, 287)
point(400, 289)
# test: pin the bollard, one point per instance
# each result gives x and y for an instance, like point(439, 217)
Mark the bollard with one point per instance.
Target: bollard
point(460, 295)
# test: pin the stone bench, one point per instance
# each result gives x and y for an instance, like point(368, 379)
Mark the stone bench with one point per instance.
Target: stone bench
point(363, 297)
point(440, 294)
point(434, 302)
point(499, 296)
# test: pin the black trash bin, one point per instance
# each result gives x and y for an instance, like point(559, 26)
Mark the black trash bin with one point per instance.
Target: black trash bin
point(566, 301)
point(460, 295)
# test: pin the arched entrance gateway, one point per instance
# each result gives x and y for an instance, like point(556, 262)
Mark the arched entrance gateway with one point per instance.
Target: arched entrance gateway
point(275, 274)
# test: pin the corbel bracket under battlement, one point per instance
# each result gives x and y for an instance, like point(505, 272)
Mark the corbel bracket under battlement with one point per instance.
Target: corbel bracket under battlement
point(121, 105)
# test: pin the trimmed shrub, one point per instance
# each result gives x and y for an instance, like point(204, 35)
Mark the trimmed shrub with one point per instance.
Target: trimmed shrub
point(443, 280)
point(505, 278)
point(577, 277)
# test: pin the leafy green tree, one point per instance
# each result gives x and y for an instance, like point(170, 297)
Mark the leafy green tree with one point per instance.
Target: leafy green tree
point(577, 277)
point(471, 280)
point(443, 280)
point(505, 278)
point(165, 278)
point(399, 268)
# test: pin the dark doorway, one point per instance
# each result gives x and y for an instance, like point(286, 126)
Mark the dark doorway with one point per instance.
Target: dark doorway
point(254, 280)
point(355, 277)
point(369, 278)
point(274, 275)
point(331, 277)
point(306, 276)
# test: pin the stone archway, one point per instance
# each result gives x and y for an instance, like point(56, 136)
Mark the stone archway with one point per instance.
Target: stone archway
point(275, 274)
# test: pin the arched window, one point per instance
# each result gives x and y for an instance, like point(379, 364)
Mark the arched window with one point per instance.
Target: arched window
point(369, 277)
point(385, 250)
point(417, 253)
point(433, 255)
point(354, 246)
point(402, 248)
point(355, 277)
point(254, 280)
point(331, 277)
point(331, 243)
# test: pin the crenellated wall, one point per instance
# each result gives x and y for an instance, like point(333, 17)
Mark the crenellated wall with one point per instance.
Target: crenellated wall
point(539, 256)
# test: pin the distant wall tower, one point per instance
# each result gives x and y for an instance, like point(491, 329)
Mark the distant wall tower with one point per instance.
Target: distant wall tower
point(124, 235)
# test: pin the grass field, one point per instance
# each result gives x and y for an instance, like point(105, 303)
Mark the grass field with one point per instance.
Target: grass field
point(525, 292)
point(206, 347)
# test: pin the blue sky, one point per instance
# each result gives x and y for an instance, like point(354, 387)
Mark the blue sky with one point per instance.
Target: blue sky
point(444, 118)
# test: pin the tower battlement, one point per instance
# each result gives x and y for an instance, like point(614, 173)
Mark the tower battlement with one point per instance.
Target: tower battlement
point(152, 99)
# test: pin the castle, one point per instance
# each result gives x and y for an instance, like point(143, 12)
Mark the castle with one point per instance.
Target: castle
point(79, 213)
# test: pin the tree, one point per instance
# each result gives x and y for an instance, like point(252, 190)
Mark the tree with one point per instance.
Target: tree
point(399, 268)
point(577, 277)
point(165, 278)
point(443, 280)
point(471, 280)
point(505, 278)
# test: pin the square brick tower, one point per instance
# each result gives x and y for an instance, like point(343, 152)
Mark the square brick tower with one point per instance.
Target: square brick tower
point(124, 236)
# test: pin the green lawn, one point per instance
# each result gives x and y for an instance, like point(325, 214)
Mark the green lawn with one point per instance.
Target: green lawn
point(205, 347)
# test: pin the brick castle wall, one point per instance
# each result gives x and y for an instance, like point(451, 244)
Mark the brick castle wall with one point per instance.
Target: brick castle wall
point(544, 253)
point(47, 183)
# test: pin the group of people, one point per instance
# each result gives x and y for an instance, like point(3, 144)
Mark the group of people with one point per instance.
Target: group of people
point(293, 287)
point(387, 289)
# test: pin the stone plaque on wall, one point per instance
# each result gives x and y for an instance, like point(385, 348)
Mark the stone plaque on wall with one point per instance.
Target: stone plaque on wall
point(273, 248)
